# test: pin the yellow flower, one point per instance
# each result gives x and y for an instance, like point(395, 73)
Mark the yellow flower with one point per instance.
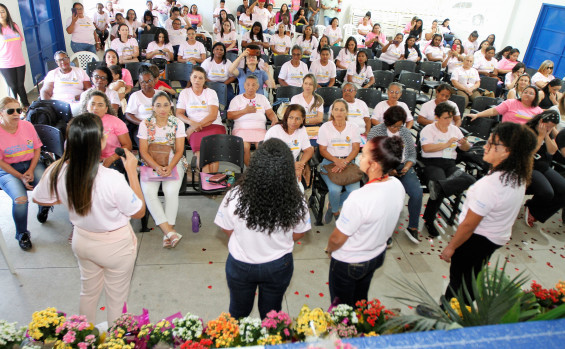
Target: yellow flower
point(371, 334)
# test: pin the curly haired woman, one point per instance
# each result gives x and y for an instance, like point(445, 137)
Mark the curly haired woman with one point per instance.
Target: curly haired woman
point(263, 215)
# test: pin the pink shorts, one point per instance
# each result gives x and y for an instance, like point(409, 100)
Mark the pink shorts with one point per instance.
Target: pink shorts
point(253, 135)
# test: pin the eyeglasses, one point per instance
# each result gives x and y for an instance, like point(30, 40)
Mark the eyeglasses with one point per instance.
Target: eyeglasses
point(61, 60)
point(490, 144)
point(349, 90)
point(394, 92)
point(394, 127)
point(12, 110)
point(98, 77)
point(146, 81)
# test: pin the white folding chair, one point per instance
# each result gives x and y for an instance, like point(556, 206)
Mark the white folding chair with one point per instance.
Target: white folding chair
point(84, 57)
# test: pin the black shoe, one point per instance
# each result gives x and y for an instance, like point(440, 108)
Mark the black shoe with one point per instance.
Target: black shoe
point(435, 190)
point(432, 230)
point(24, 241)
point(43, 213)
point(389, 243)
point(412, 234)
point(425, 311)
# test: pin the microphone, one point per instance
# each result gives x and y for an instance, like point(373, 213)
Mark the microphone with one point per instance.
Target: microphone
point(121, 153)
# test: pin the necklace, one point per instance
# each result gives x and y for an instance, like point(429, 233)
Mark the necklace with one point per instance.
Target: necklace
point(380, 179)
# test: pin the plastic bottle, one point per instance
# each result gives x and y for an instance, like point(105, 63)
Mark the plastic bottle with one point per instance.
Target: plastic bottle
point(195, 222)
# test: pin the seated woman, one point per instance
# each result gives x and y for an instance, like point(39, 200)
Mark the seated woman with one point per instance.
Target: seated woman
point(292, 132)
point(111, 58)
point(454, 59)
point(549, 95)
point(191, 50)
point(439, 142)
point(547, 185)
point(245, 21)
point(505, 65)
point(20, 169)
point(394, 92)
point(255, 37)
point(249, 112)
point(307, 42)
point(132, 22)
point(160, 47)
point(520, 85)
point(375, 39)
point(333, 32)
point(435, 29)
point(519, 110)
point(262, 234)
point(347, 54)
point(357, 246)
point(250, 57)
point(195, 17)
point(417, 30)
point(139, 104)
point(471, 45)
point(486, 65)
point(177, 36)
point(217, 69)
point(101, 78)
point(116, 131)
point(198, 106)
point(511, 79)
point(360, 73)
point(364, 27)
point(323, 42)
point(466, 80)
point(127, 48)
point(426, 115)
point(65, 83)
point(228, 37)
point(393, 125)
point(393, 51)
point(434, 52)
point(293, 72)
point(300, 21)
point(339, 144)
point(163, 128)
point(324, 69)
point(219, 25)
point(312, 102)
point(280, 43)
point(357, 110)
point(544, 74)
point(481, 52)
point(411, 50)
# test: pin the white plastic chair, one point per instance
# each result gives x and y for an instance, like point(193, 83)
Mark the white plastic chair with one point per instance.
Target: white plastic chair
point(321, 29)
point(349, 30)
point(84, 57)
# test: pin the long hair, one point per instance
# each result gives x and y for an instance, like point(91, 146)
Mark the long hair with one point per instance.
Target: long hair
point(9, 21)
point(148, 14)
point(223, 46)
point(500, 54)
point(320, 47)
point(415, 47)
point(521, 143)
point(287, 112)
point(115, 52)
point(547, 116)
point(92, 93)
point(165, 33)
point(118, 32)
point(252, 47)
point(535, 101)
point(222, 32)
point(357, 64)
point(259, 35)
point(318, 100)
point(346, 48)
point(82, 153)
point(544, 65)
point(269, 197)
point(339, 100)
point(552, 83)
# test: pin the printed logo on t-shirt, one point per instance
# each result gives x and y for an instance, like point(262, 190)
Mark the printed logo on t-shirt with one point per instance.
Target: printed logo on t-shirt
point(19, 149)
point(294, 145)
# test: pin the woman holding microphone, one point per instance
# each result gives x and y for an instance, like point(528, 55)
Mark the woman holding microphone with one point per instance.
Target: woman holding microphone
point(100, 204)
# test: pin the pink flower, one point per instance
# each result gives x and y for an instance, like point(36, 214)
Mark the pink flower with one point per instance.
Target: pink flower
point(69, 337)
point(286, 332)
point(82, 345)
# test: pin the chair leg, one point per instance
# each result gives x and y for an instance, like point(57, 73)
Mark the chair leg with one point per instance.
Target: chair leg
point(144, 222)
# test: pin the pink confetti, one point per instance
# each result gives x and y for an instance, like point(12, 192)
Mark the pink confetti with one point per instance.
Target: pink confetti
point(321, 294)
point(311, 271)
point(102, 308)
point(443, 276)
point(307, 295)
point(210, 262)
point(210, 286)
point(299, 243)
point(296, 293)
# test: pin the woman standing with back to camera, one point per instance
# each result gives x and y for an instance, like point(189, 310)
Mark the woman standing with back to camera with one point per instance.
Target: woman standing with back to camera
point(100, 204)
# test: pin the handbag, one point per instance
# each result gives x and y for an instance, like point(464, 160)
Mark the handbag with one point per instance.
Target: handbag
point(160, 153)
point(351, 174)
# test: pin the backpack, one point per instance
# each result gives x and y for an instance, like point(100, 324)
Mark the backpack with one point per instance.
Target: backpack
point(43, 113)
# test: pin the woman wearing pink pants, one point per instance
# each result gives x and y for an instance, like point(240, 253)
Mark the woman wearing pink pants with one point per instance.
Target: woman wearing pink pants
point(100, 204)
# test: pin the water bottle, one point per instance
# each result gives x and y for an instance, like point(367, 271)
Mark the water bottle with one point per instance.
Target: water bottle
point(195, 222)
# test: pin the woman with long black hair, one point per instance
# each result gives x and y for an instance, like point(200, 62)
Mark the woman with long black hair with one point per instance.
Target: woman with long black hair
point(263, 215)
point(100, 204)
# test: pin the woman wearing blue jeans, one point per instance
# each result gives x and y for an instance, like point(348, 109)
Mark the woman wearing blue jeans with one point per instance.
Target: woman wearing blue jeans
point(263, 215)
point(82, 30)
point(339, 144)
point(393, 125)
point(20, 168)
point(357, 246)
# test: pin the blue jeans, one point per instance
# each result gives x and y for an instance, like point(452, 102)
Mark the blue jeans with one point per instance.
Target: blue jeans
point(337, 198)
point(272, 278)
point(327, 20)
point(350, 281)
point(316, 18)
point(77, 47)
point(15, 188)
point(412, 186)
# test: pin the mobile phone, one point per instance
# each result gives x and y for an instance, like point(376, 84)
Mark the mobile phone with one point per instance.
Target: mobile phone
point(74, 11)
point(253, 52)
point(389, 38)
point(455, 47)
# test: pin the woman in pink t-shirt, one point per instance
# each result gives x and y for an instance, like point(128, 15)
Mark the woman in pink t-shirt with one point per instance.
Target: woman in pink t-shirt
point(12, 63)
point(111, 58)
point(116, 131)
point(20, 168)
point(519, 110)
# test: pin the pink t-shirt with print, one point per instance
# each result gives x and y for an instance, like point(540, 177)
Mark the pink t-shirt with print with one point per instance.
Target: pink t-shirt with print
point(20, 146)
point(113, 127)
point(11, 54)
point(512, 110)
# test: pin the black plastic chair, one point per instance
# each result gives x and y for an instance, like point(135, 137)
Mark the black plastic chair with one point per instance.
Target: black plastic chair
point(329, 94)
point(336, 50)
point(215, 148)
point(488, 83)
point(409, 97)
point(368, 51)
point(481, 127)
point(400, 66)
point(133, 68)
point(460, 101)
point(144, 41)
point(378, 52)
point(383, 78)
point(482, 103)
point(317, 199)
point(53, 142)
point(340, 76)
point(531, 71)
point(288, 91)
point(178, 71)
point(370, 96)
point(279, 60)
point(375, 64)
point(433, 70)
point(91, 66)
point(62, 108)
point(414, 82)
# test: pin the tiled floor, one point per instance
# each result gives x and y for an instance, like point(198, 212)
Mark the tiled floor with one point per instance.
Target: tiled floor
point(191, 277)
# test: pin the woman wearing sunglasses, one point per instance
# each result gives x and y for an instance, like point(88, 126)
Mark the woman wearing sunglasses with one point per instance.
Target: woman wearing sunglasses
point(544, 74)
point(20, 169)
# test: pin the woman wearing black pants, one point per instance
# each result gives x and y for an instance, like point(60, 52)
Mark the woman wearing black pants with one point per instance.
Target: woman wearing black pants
point(12, 63)
point(491, 206)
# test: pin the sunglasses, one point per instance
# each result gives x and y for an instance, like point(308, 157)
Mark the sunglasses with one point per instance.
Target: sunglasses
point(12, 110)
point(550, 68)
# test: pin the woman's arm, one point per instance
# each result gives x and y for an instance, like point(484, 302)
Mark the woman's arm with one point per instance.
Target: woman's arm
point(131, 118)
point(179, 153)
point(125, 142)
point(181, 114)
point(236, 114)
point(272, 116)
point(131, 169)
point(463, 233)
point(47, 90)
point(332, 82)
point(431, 148)
point(337, 239)
point(484, 113)
point(371, 82)
point(235, 64)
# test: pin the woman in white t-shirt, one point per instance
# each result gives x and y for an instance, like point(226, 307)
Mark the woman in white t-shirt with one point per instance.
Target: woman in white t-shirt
point(217, 69)
point(486, 65)
point(249, 112)
point(307, 41)
point(293, 72)
point(544, 74)
point(347, 54)
point(434, 51)
point(262, 230)
point(160, 47)
point(83, 31)
point(127, 48)
point(292, 132)
point(198, 106)
point(454, 57)
point(491, 206)
point(101, 78)
point(324, 69)
point(100, 206)
point(323, 42)
point(312, 102)
point(139, 104)
point(101, 22)
point(365, 26)
point(394, 93)
point(255, 37)
point(191, 50)
point(411, 50)
point(339, 143)
point(132, 22)
point(280, 43)
point(163, 128)
point(65, 83)
point(357, 246)
point(393, 51)
point(466, 80)
point(227, 36)
point(471, 45)
point(333, 32)
point(359, 73)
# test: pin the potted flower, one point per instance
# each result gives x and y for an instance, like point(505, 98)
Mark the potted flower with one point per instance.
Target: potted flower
point(223, 330)
point(188, 328)
point(76, 332)
point(278, 324)
point(43, 325)
point(251, 331)
point(371, 316)
point(344, 321)
point(311, 324)
point(159, 334)
point(10, 335)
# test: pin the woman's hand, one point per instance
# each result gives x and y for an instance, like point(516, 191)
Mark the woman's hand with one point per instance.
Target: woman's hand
point(166, 171)
point(250, 109)
point(447, 254)
point(542, 130)
point(340, 165)
point(299, 167)
point(130, 163)
point(108, 161)
point(28, 175)
point(553, 98)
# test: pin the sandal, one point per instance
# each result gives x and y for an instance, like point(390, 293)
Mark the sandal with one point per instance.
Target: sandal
point(174, 238)
point(167, 241)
